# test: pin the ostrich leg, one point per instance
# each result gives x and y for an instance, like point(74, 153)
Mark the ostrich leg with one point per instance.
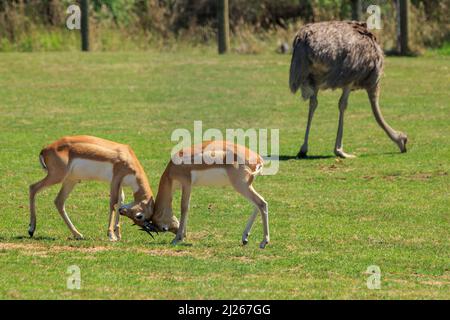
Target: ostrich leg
point(338, 148)
point(398, 137)
point(312, 107)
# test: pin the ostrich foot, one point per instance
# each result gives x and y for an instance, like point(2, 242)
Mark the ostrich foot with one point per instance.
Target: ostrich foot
point(302, 153)
point(340, 153)
point(112, 237)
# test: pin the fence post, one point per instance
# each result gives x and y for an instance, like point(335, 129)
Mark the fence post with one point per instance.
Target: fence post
point(223, 26)
point(404, 32)
point(84, 25)
point(356, 10)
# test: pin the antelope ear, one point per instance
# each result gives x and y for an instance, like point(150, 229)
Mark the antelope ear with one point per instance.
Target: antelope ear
point(151, 204)
point(143, 203)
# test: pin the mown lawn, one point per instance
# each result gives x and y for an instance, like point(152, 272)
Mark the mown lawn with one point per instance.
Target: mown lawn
point(330, 219)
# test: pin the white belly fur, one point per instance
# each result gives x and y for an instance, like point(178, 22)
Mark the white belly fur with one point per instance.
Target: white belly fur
point(210, 177)
point(130, 181)
point(85, 169)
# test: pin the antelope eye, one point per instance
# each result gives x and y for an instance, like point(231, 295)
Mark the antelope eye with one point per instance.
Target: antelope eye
point(140, 216)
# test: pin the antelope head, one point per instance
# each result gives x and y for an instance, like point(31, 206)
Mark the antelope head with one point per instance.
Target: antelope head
point(165, 221)
point(141, 213)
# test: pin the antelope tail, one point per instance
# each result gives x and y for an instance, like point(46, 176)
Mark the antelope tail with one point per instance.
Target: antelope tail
point(42, 160)
point(258, 170)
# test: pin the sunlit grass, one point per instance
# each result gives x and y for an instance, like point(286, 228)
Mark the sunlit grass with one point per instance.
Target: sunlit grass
point(329, 219)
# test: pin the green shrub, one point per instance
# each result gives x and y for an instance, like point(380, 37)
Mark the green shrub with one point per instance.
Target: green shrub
point(27, 25)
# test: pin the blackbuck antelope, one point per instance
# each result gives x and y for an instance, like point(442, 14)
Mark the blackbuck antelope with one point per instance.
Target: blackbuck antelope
point(212, 163)
point(72, 159)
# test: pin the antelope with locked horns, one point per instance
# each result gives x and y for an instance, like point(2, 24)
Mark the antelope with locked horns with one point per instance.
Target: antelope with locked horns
point(72, 159)
point(212, 163)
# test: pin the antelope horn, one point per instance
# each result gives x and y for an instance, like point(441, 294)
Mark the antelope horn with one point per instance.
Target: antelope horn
point(149, 228)
point(151, 235)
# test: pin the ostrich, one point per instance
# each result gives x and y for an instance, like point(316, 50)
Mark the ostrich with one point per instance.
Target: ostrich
point(338, 54)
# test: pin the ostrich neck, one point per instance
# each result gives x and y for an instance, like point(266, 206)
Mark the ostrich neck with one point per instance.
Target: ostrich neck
point(374, 101)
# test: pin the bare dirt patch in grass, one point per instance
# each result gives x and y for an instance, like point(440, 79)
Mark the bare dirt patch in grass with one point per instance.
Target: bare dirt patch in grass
point(417, 176)
point(31, 249)
point(243, 259)
point(427, 175)
point(166, 252)
point(435, 283)
point(40, 250)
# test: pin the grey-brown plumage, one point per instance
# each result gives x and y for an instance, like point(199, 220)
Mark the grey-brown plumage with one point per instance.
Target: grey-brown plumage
point(338, 54)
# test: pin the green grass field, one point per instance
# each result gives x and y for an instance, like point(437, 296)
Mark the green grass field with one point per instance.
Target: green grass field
point(330, 219)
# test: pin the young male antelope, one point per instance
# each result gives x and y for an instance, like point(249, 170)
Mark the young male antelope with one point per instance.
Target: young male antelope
point(212, 163)
point(70, 160)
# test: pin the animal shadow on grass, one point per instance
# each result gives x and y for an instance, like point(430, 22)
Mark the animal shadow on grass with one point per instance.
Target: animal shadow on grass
point(373, 154)
point(38, 238)
point(163, 243)
point(183, 244)
point(319, 157)
point(286, 158)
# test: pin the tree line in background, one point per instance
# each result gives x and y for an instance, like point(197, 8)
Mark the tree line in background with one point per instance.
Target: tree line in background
point(28, 25)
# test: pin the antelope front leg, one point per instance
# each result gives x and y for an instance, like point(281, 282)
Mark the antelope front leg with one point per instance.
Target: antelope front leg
point(111, 232)
point(117, 229)
point(113, 200)
point(265, 220)
point(185, 198)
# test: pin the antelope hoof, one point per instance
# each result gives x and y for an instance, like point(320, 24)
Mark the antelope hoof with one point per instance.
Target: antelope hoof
point(113, 238)
point(245, 239)
point(263, 244)
point(340, 153)
point(118, 234)
point(175, 241)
